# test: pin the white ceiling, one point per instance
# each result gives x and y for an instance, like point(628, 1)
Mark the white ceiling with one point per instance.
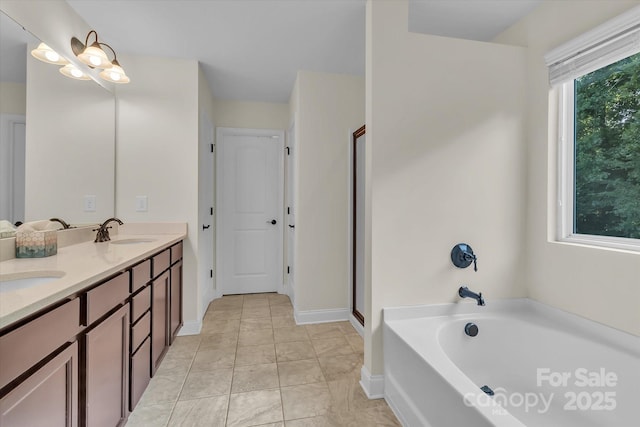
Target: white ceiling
point(251, 49)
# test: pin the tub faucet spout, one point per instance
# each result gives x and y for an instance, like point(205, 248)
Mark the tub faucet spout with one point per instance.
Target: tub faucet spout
point(464, 292)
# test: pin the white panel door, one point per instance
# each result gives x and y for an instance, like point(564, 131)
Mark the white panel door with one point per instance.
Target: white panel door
point(250, 207)
point(12, 167)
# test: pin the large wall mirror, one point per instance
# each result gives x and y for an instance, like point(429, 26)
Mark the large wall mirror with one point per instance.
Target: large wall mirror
point(57, 135)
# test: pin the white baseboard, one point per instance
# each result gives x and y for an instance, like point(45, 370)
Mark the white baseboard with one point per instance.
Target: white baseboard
point(190, 328)
point(373, 385)
point(320, 316)
point(356, 325)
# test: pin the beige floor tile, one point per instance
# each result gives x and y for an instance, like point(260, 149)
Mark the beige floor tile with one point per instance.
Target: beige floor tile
point(255, 355)
point(186, 344)
point(279, 299)
point(255, 324)
point(347, 395)
point(281, 310)
point(379, 416)
point(319, 421)
point(256, 297)
point(256, 312)
point(220, 326)
point(356, 342)
point(347, 328)
point(227, 314)
point(324, 330)
point(255, 377)
point(175, 364)
point(254, 408)
point(299, 372)
point(304, 401)
point(208, 360)
point(337, 367)
point(162, 389)
point(282, 321)
point(340, 366)
point(206, 384)
point(291, 333)
point(207, 412)
point(151, 415)
point(256, 303)
point(288, 351)
point(261, 336)
point(219, 340)
point(331, 346)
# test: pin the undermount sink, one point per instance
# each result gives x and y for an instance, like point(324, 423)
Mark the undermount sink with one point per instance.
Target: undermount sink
point(19, 281)
point(130, 241)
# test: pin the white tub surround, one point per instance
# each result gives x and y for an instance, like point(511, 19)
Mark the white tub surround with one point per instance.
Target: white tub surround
point(83, 264)
point(545, 366)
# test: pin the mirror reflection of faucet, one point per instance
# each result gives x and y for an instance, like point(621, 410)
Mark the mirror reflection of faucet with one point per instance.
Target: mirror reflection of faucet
point(464, 292)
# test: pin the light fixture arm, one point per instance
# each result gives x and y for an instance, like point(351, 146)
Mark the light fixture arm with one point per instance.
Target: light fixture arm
point(115, 57)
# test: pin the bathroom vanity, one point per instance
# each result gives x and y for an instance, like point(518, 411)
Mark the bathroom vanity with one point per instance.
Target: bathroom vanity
point(81, 350)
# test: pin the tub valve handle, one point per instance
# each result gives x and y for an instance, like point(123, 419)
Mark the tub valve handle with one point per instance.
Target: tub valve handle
point(462, 256)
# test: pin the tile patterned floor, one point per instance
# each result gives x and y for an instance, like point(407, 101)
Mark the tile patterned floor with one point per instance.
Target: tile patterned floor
point(252, 366)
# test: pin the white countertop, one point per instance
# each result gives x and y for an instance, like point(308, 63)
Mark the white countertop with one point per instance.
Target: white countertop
point(84, 264)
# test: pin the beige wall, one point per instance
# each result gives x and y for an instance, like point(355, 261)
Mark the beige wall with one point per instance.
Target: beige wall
point(252, 115)
point(157, 153)
point(329, 108)
point(600, 284)
point(445, 127)
point(13, 98)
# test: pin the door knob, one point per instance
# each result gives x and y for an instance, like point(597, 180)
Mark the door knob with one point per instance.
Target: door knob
point(204, 227)
point(272, 222)
point(292, 226)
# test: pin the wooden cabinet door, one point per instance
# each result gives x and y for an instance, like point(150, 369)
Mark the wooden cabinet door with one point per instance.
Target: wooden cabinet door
point(175, 321)
point(159, 319)
point(47, 398)
point(107, 371)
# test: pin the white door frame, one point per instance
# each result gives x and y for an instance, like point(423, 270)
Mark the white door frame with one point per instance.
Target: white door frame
point(206, 214)
point(220, 133)
point(291, 203)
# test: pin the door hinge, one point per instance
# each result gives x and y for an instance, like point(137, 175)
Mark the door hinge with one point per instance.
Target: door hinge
point(288, 269)
point(288, 150)
point(211, 273)
point(212, 148)
point(211, 210)
point(288, 210)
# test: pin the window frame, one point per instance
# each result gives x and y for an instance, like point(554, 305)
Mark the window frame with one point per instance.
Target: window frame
point(605, 44)
point(565, 209)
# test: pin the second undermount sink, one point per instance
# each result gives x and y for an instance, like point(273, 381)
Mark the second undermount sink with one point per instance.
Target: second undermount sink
point(130, 241)
point(19, 281)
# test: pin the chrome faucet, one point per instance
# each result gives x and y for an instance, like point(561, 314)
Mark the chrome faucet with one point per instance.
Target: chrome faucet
point(103, 230)
point(65, 226)
point(464, 292)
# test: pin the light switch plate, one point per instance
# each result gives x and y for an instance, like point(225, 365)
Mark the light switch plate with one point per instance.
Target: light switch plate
point(141, 203)
point(89, 203)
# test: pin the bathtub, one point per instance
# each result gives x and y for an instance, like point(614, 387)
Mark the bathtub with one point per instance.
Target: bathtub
point(545, 367)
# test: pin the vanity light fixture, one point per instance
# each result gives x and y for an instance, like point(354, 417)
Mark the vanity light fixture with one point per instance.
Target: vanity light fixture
point(45, 54)
point(74, 72)
point(95, 57)
point(92, 55)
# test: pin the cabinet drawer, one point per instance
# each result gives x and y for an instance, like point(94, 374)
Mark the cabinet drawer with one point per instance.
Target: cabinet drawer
point(140, 372)
point(107, 296)
point(176, 252)
point(140, 331)
point(161, 262)
point(140, 275)
point(140, 303)
point(22, 348)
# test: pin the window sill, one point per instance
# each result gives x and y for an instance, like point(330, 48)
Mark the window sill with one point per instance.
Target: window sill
point(618, 244)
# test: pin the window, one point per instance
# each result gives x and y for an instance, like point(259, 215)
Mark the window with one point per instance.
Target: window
point(597, 77)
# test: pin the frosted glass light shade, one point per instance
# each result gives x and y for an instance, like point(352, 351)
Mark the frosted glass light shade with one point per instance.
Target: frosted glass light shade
point(115, 74)
point(45, 54)
point(95, 57)
point(74, 72)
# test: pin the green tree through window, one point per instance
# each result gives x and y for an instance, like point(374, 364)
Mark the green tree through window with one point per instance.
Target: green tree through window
point(607, 151)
